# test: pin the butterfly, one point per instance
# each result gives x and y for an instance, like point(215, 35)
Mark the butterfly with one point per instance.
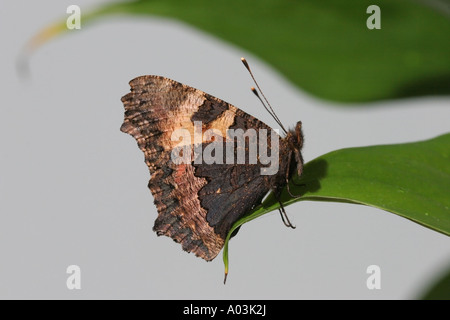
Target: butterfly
point(199, 191)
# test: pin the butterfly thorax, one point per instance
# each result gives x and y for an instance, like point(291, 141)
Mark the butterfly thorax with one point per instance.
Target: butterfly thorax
point(294, 139)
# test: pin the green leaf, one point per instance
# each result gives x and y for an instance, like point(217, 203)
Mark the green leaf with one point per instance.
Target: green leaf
point(440, 289)
point(323, 46)
point(411, 180)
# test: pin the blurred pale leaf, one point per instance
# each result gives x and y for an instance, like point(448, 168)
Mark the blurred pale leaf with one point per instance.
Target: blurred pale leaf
point(324, 47)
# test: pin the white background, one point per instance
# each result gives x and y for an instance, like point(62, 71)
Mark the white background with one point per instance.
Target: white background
point(73, 188)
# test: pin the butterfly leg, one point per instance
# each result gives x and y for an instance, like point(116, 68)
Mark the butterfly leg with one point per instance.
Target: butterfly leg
point(287, 179)
point(283, 214)
point(289, 190)
point(284, 217)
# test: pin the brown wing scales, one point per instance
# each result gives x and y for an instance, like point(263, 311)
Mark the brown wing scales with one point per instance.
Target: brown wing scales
point(197, 203)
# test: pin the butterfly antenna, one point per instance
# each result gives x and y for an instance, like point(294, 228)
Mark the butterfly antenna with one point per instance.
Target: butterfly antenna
point(271, 112)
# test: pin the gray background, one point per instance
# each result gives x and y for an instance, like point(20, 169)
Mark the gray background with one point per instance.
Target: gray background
point(73, 188)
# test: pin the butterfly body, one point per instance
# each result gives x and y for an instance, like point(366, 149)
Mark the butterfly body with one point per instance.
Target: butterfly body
point(198, 200)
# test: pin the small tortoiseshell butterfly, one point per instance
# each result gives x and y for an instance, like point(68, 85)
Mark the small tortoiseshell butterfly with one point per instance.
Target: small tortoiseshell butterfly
point(198, 201)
